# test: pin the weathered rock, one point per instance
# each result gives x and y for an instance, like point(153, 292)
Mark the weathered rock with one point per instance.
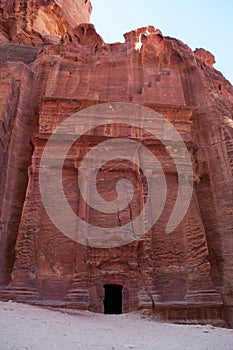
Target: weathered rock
point(17, 125)
point(28, 22)
point(185, 276)
point(205, 56)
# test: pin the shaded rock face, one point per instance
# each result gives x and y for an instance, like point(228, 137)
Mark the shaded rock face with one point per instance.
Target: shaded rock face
point(182, 277)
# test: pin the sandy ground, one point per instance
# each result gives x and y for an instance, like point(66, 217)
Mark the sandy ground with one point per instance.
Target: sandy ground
point(25, 327)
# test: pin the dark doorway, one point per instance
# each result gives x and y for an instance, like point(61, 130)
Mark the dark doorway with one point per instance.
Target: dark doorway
point(113, 299)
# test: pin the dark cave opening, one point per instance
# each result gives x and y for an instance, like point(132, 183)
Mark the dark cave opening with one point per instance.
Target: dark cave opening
point(113, 299)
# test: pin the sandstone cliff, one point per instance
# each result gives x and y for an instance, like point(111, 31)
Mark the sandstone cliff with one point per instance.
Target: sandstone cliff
point(50, 69)
point(27, 22)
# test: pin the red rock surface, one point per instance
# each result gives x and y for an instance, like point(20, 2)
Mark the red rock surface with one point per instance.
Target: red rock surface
point(184, 277)
point(28, 22)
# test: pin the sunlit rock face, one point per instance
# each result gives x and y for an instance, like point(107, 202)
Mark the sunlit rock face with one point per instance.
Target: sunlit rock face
point(54, 64)
point(27, 22)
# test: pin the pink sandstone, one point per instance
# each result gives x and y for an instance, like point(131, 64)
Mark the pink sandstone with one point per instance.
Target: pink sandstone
point(52, 66)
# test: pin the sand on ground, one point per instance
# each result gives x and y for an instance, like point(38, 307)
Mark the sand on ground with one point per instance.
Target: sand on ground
point(24, 327)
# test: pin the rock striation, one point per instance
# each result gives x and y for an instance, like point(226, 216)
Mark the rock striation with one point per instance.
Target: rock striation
point(28, 22)
point(54, 64)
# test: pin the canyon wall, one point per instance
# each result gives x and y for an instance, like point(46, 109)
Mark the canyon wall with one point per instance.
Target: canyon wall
point(28, 22)
point(53, 65)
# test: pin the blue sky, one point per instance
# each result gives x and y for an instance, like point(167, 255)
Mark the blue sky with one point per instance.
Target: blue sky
point(200, 23)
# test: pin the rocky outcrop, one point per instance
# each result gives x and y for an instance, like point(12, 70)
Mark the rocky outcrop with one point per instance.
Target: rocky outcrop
point(185, 276)
point(27, 22)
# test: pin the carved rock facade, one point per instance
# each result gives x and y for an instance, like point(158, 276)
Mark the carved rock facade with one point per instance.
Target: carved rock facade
point(49, 72)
